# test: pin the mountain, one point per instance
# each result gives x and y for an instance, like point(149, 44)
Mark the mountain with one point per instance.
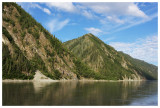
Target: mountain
point(28, 47)
point(110, 63)
point(150, 71)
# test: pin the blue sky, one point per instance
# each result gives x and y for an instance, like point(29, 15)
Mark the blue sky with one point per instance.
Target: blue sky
point(128, 27)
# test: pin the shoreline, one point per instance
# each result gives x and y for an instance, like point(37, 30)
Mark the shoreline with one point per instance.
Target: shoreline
point(85, 80)
point(39, 77)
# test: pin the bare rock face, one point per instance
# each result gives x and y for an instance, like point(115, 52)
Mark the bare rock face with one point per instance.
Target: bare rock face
point(40, 77)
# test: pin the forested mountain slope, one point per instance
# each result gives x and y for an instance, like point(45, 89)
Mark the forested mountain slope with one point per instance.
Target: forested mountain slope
point(28, 47)
point(110, 63)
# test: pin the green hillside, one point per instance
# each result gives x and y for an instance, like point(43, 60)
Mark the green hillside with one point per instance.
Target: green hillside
point(105, 60)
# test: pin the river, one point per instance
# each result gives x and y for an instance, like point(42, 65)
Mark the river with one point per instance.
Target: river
point(127, 93)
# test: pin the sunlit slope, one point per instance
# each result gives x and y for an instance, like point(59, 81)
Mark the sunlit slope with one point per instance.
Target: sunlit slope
point(28, 47)
point(105, 60)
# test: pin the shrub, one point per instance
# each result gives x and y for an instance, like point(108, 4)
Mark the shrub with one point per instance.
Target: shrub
point(15, 30)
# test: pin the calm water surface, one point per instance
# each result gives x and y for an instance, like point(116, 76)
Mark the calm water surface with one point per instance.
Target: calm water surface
point(141, 93)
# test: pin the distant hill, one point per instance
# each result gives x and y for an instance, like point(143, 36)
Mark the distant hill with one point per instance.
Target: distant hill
point(110, 63)
point(148, 70)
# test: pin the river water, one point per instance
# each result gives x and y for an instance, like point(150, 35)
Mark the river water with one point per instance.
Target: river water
point(128, 93)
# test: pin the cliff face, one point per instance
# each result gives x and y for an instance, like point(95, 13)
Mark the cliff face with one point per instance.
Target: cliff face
point(28, 47)
point(110, 63)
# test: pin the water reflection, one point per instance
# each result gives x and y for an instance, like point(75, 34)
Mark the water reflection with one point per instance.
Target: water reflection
point(80, 93)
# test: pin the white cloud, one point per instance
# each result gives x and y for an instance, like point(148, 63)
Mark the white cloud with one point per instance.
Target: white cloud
point(34, 5)
point(115, 16)
point(105, 9)
point(115, 19)
point(55, 25)
point(144, 49)
point(108, 39)
point(46, 11)
point(43, 9)
point(113, 8)
point(63, 6)
point(87, 14)
point(136, 22)
point(94, 31)
point(113, 12)
point(135, 11)
point(70, 7)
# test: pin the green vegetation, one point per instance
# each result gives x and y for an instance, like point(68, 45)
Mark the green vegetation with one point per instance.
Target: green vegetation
point(56, 44)
point(107, 60)
point(5, 32)
point(25, 19)
point(9, 21)
point(29, 24)
point(57, 74)
point(17, 66)
point(49, 53)
point(90, 47)
point(83, 70)
point(36, 35)
point(15, 30)
point(23, 34)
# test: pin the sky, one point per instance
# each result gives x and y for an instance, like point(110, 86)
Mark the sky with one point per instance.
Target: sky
point(126, 26)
